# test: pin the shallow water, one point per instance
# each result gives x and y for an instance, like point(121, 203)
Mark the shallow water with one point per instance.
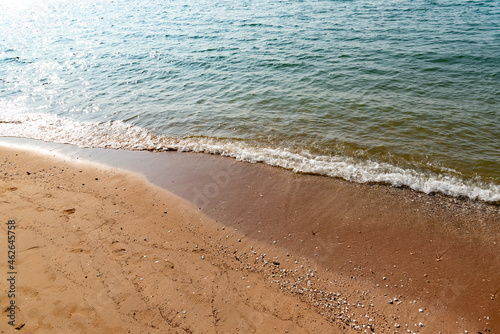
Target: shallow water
point(406, 93)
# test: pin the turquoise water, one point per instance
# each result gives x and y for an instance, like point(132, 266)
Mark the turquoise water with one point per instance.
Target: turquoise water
point(401, 92)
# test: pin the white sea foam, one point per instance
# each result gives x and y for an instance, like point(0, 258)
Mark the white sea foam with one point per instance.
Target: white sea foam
point(119, 135)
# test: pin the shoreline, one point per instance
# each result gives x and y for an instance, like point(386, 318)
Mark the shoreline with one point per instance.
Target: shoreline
point(103, 250)
point(388, 252)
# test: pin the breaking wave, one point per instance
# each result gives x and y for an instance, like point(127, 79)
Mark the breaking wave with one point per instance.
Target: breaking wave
point(120, 135)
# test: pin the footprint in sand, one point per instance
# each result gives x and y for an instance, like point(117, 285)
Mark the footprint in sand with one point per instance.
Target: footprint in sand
point(162, 266)
point(69, 211)
point(29, 292)
point(80, 250)
point(121, 251)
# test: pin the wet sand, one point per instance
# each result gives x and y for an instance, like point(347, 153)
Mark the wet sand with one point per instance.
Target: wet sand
point(275, 249)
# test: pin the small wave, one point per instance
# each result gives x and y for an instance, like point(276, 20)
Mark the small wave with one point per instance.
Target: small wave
point(120, 135)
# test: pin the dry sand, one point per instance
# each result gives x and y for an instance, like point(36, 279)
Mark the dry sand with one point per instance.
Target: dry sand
point(100, 250)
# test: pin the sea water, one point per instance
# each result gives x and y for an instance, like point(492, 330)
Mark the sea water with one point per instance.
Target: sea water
point(400, 92)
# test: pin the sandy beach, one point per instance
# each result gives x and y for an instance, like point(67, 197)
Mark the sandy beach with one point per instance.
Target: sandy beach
point(250, 167)
point(227, 247)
